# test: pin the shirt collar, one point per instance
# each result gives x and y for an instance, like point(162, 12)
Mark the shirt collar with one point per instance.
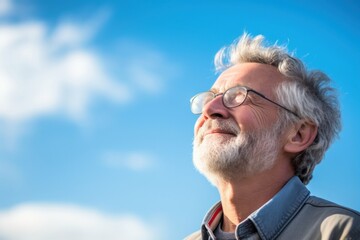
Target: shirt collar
point(272, 217)
point(211, 220)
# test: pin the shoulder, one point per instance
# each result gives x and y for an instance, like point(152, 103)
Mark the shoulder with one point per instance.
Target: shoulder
point(321, 219)
point(334, 220)
point(327, 207)
point(194, 236)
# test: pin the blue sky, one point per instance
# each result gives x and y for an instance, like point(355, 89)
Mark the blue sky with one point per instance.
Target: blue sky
point(96, 131)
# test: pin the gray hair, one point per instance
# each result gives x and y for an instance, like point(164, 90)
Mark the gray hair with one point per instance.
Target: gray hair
point(307, 93)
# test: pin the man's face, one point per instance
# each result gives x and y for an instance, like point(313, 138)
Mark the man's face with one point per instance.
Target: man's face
point(240, 141)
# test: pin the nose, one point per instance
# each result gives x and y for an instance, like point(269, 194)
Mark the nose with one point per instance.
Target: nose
point(215, 108)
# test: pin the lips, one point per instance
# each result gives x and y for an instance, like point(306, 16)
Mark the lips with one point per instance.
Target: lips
point(218, 131)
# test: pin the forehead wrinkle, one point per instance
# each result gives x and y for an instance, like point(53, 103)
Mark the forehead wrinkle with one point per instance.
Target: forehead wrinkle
point(229, 74)
point(250, 73)
point(232, 78)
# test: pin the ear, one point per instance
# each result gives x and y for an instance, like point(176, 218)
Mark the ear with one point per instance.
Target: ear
point(301, 136)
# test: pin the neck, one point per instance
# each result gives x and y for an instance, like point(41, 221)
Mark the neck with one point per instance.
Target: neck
point(241, 197)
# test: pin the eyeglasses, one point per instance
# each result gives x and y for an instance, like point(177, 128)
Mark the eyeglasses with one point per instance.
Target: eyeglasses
point(231, 98)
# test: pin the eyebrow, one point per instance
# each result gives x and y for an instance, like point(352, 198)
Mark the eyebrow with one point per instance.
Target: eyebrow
point(213, 90)
point(216, 90)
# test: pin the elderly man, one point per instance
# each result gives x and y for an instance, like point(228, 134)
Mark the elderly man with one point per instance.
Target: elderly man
point(263, 126)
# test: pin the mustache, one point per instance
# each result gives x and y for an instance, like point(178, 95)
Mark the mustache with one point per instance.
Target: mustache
point(222, 125)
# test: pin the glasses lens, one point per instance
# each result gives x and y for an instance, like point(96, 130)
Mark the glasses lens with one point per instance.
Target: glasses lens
point(234, 97)
point(199, 101)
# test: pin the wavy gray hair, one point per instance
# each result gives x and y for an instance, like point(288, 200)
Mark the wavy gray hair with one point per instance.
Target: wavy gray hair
point(307, 93)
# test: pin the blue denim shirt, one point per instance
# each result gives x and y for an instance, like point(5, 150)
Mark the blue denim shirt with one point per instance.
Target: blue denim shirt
point(269, 220)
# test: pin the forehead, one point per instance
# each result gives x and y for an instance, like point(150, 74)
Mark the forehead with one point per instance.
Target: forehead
point(260, 77)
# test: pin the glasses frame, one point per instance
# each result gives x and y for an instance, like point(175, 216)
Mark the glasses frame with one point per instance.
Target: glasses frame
point(247, 89)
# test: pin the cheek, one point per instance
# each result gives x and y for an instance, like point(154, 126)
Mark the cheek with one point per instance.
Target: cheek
point(250, 121)
point(244, 123)
point(255, 120)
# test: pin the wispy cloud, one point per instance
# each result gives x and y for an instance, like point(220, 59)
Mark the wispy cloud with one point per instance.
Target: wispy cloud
point(60, 221)
point(136, 161)
point(43, 73)
point(54, 70)
point(147, 69)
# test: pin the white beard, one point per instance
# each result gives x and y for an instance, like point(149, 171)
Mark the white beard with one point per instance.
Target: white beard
point(228, 156)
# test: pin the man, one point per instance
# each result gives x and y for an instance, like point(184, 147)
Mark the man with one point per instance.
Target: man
point(264, 125)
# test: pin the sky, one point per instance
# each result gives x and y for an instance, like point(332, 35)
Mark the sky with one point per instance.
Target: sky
point(95, 126)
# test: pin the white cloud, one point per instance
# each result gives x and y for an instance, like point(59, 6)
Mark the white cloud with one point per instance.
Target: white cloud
point(60, 222)
point(147, 68)
point(136, 161)
point(40, 77)
point(54, 71)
